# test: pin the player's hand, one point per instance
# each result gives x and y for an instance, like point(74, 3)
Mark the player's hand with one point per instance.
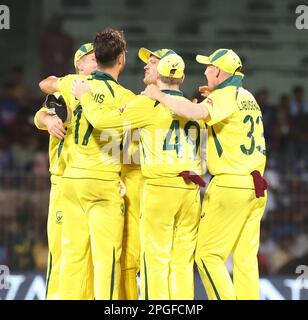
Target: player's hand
point(56, 106)
point(80, 87)
point(152, 91)
point(55, 126)
point(205, 91)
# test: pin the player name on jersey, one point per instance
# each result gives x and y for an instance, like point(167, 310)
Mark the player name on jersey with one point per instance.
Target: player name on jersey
point(248, 105)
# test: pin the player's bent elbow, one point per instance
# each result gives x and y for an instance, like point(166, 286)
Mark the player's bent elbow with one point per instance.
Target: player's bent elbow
point(48, 85)
point(201, 113)
point(43, 86)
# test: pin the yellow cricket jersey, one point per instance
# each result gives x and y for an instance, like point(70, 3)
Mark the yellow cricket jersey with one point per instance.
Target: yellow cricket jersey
point(93, 153)
point(236, 142)
point(169, 144)
point(58, 148)
point(130, 150)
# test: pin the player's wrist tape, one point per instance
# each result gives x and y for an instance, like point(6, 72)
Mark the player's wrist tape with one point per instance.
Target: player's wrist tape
point(56, 106)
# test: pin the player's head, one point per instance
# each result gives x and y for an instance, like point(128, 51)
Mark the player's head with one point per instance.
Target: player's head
point(84, 59)
point(221, 64)
point(110, 49)
point(151, 59)
point(171, 71)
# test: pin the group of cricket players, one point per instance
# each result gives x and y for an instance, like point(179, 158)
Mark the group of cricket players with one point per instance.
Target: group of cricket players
point(126, 172)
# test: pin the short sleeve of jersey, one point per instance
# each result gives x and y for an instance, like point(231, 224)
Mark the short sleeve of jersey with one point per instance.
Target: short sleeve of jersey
point(65, 85)
point(220, 104)
point(43, 109)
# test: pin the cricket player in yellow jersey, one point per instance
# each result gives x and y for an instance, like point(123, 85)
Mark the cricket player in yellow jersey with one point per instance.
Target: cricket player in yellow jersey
point(235, 199)
point(58, 157)
point(133, 181)
point(132, 178)
point(93, 206)
point(170, 163)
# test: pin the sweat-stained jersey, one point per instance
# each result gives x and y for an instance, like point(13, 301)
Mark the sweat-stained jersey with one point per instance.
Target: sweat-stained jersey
point(94, 153)
point(169, 144)
point(236, 142)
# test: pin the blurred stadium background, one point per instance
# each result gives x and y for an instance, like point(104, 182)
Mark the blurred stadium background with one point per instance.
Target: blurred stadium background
point(42, 39)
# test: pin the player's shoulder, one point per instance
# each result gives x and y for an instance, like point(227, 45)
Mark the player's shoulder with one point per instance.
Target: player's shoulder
point(226, 92)
point(125, 91)
point(68, 79)
point(245, 94)
point(141, 99)
point(226, 96)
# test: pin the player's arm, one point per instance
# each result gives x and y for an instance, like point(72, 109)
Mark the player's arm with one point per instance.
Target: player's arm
point(51, 123)
point(128, 117)
point(101, 117)
point(49, 85)
point(181, 107)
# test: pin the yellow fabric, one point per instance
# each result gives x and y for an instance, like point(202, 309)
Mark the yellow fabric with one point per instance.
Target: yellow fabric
point(145, 54)
point(54, 232)
point(225, 59)
point(93, 220)
point(58, 149)
point(168, 229)
point(58, 159)
point(90, 153)
point(94, 216)
point(82, 51)
point(128, 285)
point(168, 147)
point(161, 154)
point(172, 66)
point(133, 181)
point(230, 224)
point(235, 132)
point(43, 109)
point(131, 150)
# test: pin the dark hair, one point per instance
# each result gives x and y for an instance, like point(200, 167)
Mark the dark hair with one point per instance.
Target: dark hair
point(108, 45)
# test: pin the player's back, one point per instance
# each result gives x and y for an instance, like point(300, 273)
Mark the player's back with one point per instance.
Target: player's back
point(95, 153)
point(169, 144)
point(236, 144)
